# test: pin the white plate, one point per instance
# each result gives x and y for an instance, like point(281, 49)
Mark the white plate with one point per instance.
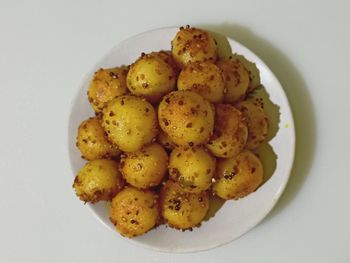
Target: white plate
point(236, 217)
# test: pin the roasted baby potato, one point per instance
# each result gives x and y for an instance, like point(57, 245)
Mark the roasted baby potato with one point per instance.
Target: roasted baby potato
point(238, 176)
point(254, 74)
point(98, 180)
point(168, 58)
point(106, 85)
point(130, 122)
point(193, 168)
point(165, 141)
point(180, 209)
point(146, 167)
point(151, 77)
point(204, 78)
point(236, 79)
point(92, 141)
point(256, 120)
point(192, 44)
point(186, 117)
point(134, 211)
point(230, 132)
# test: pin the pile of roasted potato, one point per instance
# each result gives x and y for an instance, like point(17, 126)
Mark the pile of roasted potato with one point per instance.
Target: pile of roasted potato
point(170, 130)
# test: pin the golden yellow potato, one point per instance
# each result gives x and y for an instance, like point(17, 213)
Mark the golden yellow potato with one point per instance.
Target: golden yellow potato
point(168, 58)
point(192, 44)
point(193, 168)
point(204, 78)
point(134, 211)
point(106, 85)
point(186, 117)
point(151, 77)
point(92, 141)
point(180, 209)
point(254, 74)
point(165, 141)
point(230, 132)
point(256, 120)
point(236, 79)
point(146, 167)
point(130, 122)
point(98, 180)
point(238, 176)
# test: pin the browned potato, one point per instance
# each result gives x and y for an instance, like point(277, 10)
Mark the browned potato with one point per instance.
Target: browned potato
point(204, 78)
point(92, 141)
point(236, 79)
point(230, 132)
point(254, 74)
point(151, 77)
point(238, 176)
point(130, 122)
point(256, 120)
point(186, 117)
point(165, 141)
point(106, 85)
point(145, 168)
point(192, 44)
point(193, 168)
point(134, 212)
point(98, 180)
point(168, 58)
point(180, 209)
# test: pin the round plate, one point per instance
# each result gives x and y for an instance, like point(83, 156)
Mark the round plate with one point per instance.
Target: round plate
point(235, 217)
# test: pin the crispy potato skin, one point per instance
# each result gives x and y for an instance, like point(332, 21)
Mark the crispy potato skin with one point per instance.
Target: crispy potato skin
point(230, 132)
point(145, 168)
point(134, 211)
point(204, 78)
point(239, 176)
point(92, 141)
point(254, 74)
point(98, 180)
point(192, 44)
point(130, 122)
point(193, 168)
point(165, 141)
point(106, 85)
point(151, 76)
point(186, 117)
point(167, 57)
point(256, 120)
point(236, 79)
point(180, 209)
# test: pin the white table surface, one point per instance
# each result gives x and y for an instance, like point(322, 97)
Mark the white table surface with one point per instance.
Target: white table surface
point(46, 47)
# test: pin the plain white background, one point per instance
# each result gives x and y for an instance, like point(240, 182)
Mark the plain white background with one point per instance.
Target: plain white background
point(46, 47)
